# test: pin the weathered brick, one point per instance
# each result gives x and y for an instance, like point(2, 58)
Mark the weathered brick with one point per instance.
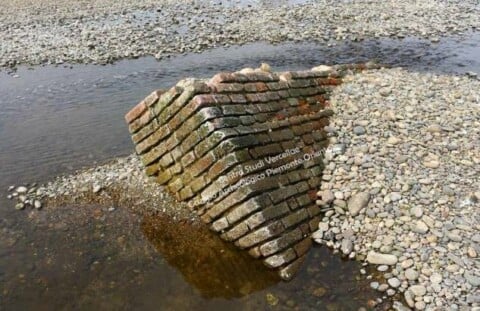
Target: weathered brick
point(146, 131)
point(233, 110)
point(186, 193)
point(188, 158)
point(260, 235)
point(281, 259)
point(165, 100)
point(289, 271)
point(140, 122)
point(279, 244)
point(151, 170)
point(236, 232)
point(267, 214)
point(228, 87)
point(238, 98)
point(254, 252)
point(295, 218)
point(164, 177)
point(244, 209)
point(175, 185)
point(220, 224)
point(136, 112)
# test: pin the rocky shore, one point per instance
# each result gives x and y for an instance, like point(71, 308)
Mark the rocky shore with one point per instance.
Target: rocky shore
point(402, 184)
point(100, 32)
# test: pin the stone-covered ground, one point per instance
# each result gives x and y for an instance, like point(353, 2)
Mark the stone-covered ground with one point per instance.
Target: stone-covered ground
point(57, 32)
point(402, 184)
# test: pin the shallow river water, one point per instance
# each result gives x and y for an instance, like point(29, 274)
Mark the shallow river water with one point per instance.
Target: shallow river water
point(54, 120)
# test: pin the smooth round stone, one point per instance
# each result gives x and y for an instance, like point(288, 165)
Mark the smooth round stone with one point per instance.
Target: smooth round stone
point(359, 130)
point(436, 278)
point(374, 285)
point(382, 268)
point(418, 290)
point(394, 282)
point(411, 274)
point(416, 211)
point(22, 189)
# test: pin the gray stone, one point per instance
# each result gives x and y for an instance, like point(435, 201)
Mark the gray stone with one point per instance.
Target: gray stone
point(472, 279)
point(346, 246)
point(357, 202)
point(394, 282)
point(418, 290)
point(381, 259)
point(420, 227)
point(359, 130)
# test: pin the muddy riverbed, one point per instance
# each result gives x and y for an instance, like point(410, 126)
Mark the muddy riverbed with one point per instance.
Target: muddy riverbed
point(55, 120)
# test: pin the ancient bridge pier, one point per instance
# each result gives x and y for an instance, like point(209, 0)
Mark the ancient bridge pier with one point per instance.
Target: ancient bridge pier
point(244, 150)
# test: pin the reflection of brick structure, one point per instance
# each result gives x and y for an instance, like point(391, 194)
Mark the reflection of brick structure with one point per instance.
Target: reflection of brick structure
point(244, 150)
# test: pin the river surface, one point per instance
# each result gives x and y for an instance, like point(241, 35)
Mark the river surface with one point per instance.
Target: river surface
point(54, 120)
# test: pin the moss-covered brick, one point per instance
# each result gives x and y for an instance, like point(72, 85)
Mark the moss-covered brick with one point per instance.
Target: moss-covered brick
point(164, 177)
point(140, 122)
point(233, 110)
point(188, 158)
point(175, 184)
point(198, 184)
point(288, 272)
point(145, 131)
point(237, 98)
point(276, 86)
point(302, 247)
point(165, 100)
point(229, 87)
point(151, 170)
point(295, 218)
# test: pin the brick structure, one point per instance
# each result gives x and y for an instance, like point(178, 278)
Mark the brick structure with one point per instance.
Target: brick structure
point(244, 150)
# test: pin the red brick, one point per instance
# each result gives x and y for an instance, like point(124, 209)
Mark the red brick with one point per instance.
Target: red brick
point(135, 112)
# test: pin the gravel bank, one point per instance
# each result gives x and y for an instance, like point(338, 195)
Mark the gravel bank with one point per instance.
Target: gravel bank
point(120, 183)
point(57, 32)
point(402, 184)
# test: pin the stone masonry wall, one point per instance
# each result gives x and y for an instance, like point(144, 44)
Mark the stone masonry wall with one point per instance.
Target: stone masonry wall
point(244, 150)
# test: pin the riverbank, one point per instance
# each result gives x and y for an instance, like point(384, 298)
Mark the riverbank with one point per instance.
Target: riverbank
point(402, 184)
point(100, 32)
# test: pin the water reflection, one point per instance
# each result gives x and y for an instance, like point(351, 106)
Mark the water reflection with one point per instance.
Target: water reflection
point(215, 268)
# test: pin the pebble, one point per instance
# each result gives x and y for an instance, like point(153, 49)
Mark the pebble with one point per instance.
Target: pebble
point(420, 227)
point(421, 214)
point(418, 290)
point(394, 282)
point(19, 206)
point(37, 204)
point(381, 259)
point(357, 202)
point(21, 189)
